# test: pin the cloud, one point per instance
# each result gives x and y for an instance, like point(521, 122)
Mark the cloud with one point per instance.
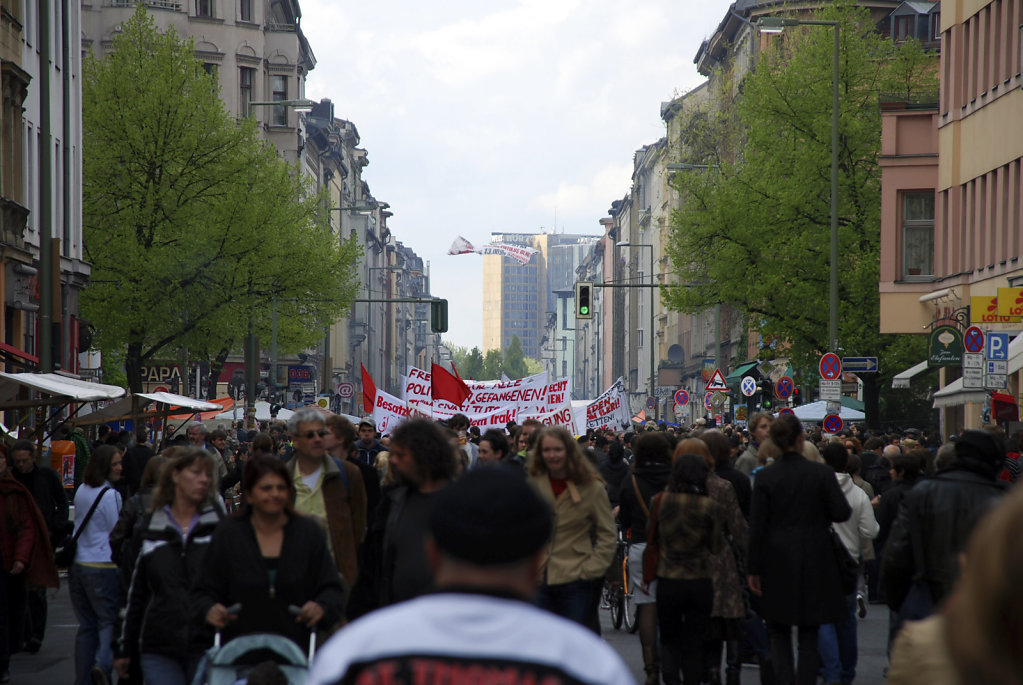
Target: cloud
point(604, 187)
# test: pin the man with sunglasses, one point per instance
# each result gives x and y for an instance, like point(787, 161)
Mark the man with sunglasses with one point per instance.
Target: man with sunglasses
point(329, 490)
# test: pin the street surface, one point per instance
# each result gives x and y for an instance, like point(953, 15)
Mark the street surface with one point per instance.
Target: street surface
point(54, 663)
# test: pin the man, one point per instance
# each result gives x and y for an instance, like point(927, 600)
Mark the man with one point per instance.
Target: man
point(368, 447)
point(760, 426)
point(48, 492)
point(135, 460)
point(936, 517)
point(530, 427)
point(339, 443)
point(486, 544)
point(329, 491)
point(460, 424)
point(494, 449)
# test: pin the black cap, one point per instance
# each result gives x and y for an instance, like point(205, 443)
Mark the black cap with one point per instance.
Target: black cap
point(980, 451)
point(489, 516)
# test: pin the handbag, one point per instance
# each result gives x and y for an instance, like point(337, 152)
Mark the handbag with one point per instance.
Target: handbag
point(848, 568)
point(652, 552)
point(65, 555)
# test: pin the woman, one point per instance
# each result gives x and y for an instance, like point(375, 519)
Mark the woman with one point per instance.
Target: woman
point(176, 536)
point(268, 558)
point(95, 585)
point(684, 521)
point(791, 562)
point(651, 468)
point(584, 538)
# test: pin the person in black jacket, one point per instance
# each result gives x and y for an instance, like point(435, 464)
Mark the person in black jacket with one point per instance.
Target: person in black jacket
point(651, 471)
point(614, 470)
point(267, 558)
point(176, 537)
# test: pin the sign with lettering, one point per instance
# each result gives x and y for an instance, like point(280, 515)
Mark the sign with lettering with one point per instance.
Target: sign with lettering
point(984, 310)
point(1010, 302)
point(945, 347)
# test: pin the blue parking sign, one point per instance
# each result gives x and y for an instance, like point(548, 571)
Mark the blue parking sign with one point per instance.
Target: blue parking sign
point(997, 346)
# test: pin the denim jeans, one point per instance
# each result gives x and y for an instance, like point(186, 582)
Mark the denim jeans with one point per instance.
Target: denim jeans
point(836, 643)
point(569, 600)
point(94, 594)
point(157, 668)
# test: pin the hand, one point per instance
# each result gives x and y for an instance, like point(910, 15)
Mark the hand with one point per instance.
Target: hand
point(17, 567)
point(218, 616)
point(754, 585)
point(310, 615)
point(121, 665)
point(876, 501)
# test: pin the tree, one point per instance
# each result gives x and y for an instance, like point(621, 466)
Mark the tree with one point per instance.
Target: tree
point(753, 230)
point(469, 363)
point(193, 225)
point(493, 364)
point(515, 360)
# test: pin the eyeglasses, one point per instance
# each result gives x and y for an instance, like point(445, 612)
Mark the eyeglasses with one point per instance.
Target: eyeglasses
point(309, 435)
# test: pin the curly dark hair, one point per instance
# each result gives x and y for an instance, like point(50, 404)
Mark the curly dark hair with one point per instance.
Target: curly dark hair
point(689, 474)
point(432, 449)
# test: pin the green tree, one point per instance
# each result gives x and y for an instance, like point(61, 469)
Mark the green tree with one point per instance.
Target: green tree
point(753, 231)
point(515, 360)
point(493, 363)
point(194, 225)
point(468, 362)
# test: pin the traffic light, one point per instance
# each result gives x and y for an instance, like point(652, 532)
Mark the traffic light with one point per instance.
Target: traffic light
point(584, 300)
point(438, 316)
point(766, 394)
point(797, 397)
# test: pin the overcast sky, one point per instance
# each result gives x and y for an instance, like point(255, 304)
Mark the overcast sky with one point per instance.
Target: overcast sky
point(505, 115)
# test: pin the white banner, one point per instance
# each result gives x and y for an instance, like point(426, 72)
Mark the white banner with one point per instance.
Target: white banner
point(388, 412)
point(517, 252)
point(415, 387)
point(610, 410)
point(562, 416)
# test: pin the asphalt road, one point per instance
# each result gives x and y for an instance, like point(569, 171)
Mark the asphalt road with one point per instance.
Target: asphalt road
point(54, 664)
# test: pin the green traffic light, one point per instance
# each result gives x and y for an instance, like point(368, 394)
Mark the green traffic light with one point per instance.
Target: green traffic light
point(584, 310)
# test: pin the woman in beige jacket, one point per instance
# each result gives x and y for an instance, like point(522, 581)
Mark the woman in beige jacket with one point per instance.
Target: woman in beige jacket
point(583, 541)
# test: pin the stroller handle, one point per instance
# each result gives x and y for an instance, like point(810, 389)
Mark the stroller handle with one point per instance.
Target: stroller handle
point(233, 609)
point(295, 611)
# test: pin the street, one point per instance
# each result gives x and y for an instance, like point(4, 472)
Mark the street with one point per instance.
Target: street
point(54, 662)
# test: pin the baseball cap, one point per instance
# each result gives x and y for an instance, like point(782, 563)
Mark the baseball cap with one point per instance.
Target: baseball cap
point(368, 421)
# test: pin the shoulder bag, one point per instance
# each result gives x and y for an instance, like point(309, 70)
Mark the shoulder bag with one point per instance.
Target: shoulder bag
point(848, 568)
point(65, 555)
point(652, 552)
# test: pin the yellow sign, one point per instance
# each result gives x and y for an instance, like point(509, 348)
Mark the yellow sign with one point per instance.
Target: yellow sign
point(323, 402)
point(984, 310)
point(1010, 302)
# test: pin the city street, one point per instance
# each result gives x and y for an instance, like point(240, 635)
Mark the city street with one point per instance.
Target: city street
point(54, 663)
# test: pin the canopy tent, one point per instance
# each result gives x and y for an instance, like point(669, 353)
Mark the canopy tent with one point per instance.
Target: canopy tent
point(901, 380)
point(954, 394)
point(122, 409)
point(56, 390)
point(816, 411)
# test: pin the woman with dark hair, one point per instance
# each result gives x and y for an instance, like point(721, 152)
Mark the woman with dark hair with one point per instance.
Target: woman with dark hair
point(685, 524)
point(614, 470)
point(267, 558)
point(791, 560)
point(584, 538)
point(651, 467)
point(493, 448)
point(175, 539)
point(95, 585)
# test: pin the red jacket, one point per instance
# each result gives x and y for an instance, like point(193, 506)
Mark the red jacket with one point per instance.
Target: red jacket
point(23, 535)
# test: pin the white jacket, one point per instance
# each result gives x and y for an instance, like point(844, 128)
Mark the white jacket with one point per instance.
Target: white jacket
point(862, 523)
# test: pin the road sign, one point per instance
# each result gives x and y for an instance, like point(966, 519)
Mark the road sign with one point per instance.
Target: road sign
point(651, 402)
point(973, 339)
point(973, 376)
point(682, 397)
point(994, 381)
point(997, 346)
point(664, 390)
point(830, 366)
point(160, 388)
point(345, 389)
point(784, 388)
point(707, 401)
point(833, 408)
point(860, 364)
point(786, 410)
point(973, 361)
point(748, 386)
point(831, 390)
point(996, 366)
point(679, 410)
point(717, 382)
point(832, 424)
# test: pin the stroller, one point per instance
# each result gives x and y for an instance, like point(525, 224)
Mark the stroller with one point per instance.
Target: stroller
point(232, 663)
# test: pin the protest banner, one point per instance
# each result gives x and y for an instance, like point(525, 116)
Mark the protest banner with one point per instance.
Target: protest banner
point(610, 410)
point(389, 411)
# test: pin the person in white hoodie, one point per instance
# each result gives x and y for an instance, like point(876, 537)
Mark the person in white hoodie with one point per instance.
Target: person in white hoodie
point(836, 642)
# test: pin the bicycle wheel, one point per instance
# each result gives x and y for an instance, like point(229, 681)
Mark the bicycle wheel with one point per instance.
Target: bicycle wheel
point(617, 604)
point(629, 612)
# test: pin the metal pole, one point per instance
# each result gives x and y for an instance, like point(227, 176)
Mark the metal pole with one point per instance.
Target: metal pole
point(651, 341)
point(833, 318)
point(45, 222)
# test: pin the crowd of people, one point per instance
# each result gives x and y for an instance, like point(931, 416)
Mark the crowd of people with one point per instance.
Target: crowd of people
point(738, 535)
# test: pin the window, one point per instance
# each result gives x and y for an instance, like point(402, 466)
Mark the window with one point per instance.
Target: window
point(204, 8)
point(245, 78)
point(918, 234)
point(936, 26)
point(903, 28)
point(245, 10)
point(210, 69)
point(280, 91)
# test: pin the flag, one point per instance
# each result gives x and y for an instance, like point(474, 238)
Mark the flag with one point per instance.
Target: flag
point(461, 246)
point(445, 386)
point(369, 391)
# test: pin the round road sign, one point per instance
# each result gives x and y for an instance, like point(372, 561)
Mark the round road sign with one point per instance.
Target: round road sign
point(682, 396)
point(832, 424)
point(651, 402)
point(830, 367)
point(160, 388)
point(748, 386)
point(973, 340)
point(783, 388)
point(345, 389)
point(786, 410)
point(707, 401)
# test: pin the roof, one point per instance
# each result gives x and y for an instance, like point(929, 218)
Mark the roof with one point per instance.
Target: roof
point(56, 385)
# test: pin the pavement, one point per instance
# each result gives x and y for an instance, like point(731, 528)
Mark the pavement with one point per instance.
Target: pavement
point(54, 664)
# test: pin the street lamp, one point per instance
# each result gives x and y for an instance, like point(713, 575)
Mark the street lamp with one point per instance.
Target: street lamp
point(777, 25)
point(650, 342)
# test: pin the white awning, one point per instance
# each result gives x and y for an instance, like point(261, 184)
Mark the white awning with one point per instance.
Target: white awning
point(122, 408)
point(180, 401)
point(74, 389)
point(901, 380)
point(954, 395)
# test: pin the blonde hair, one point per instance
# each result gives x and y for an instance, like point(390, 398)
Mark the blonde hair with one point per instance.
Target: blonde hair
point(580, 470)
point(768, 452)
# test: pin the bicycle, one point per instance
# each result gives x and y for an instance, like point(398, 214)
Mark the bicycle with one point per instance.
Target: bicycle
point(617, 593)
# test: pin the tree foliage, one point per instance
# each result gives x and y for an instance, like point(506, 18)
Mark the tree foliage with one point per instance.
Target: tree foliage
point(753, 230)
point(194, 225)
point(515, 360)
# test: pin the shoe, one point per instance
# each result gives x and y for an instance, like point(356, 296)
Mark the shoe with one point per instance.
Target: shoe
point(99, 676)
point(861, 606)
point(33, 646)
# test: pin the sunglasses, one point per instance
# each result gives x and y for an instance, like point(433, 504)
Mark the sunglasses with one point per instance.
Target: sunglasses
point(309, 435)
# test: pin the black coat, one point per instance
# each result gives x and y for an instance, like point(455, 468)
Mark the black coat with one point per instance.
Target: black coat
point(651, 479)
point(234, 572)
point(48, 492)
point(794, 503)
point(740, 482)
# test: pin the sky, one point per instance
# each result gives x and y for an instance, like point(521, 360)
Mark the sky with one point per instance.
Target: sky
point(516, 116)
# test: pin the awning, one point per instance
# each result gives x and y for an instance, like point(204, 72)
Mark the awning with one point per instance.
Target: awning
point(121, 409)
point(901, 380)
point(816, 411)
point(954, 395)
point(69, 389)
point(739, 372)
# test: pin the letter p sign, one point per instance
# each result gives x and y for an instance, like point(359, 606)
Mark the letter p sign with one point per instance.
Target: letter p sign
point(997, 345)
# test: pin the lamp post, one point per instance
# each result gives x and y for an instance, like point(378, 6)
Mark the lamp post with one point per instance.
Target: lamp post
point(777, 25)
point(650, 337)
point(388, 268)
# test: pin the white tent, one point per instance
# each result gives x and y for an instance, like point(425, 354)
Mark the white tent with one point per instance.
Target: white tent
point(816, 411)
